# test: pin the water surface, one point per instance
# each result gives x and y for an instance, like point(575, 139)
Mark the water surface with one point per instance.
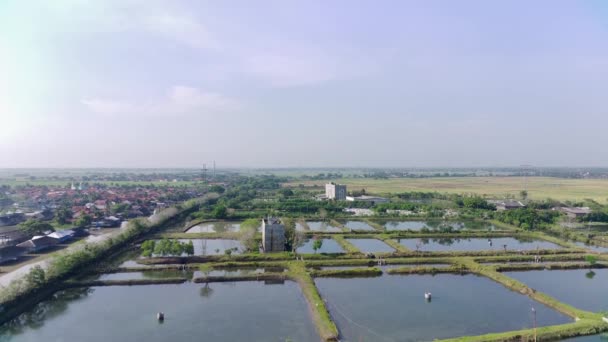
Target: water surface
point(322, 226)
point(474, 244)
point(358, 225)
point(393, 308)
point(584, 289)
point(371, 245)
point(329, 246)
point(437, 225)
point(214, 246)
point(241, 311)
point(216, 227)
point(594, 248)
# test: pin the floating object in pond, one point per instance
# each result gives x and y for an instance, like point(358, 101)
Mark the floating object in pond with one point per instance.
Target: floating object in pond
point(160, 316)
point(427, 296)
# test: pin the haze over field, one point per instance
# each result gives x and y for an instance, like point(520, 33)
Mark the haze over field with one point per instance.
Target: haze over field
point(302, 83)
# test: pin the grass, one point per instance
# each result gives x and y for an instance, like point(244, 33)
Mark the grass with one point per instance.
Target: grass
point(550, 333)
point(357, 272)
point(346, 246)
point(538, 187)
point(326, 327)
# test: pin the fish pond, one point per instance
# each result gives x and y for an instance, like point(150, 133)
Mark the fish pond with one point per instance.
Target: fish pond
point(437, 225)
point(214, 246)
point(594, 248)
point(371, 245)
point(358, 225)
point(322, 226)
point(475, 244)
point(393, 308)
point(585, 289)
point(328, 246)
point(216, 227)
point(240, 311)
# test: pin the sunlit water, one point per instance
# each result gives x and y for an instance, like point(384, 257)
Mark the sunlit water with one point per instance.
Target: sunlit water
point(584, 289)
point(328, 246)
point(393, 308)
point(242, 311)
point(371, 245)
point(475, 244)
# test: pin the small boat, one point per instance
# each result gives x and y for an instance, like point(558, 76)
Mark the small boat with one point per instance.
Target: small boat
point(427, 295)
point(160, 316)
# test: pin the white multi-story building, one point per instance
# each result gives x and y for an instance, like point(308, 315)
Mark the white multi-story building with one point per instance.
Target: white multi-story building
point(335, 191)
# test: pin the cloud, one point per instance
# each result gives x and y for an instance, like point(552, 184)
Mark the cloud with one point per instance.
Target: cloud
point(180, 28)
point(283, 70)
point(179, 100)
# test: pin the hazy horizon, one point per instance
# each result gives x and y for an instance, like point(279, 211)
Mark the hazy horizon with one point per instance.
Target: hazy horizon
point(309, 84)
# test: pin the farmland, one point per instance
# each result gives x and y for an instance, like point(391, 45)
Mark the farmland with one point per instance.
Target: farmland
point(538, 187)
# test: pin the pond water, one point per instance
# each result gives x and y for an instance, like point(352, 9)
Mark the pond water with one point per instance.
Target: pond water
point(437, 225)
point(329, 246)
point(300, 227)
point(322, 226)
point(210, 312)
point(358, 225)
point(594, 248)
point(232, 272)
point(214, 246)
point(475, 244)
point(393, 308)
point(591, 338)
point(584, 289)
point(216, 227)
point(384, 267)
point(157, 274)
point(371, 245)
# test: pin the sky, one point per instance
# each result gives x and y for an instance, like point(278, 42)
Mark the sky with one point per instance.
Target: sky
point(149, 83)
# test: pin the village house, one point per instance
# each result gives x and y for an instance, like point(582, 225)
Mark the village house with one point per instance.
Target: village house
point(502, 205)
point(38, 243)
point(11, 253)
point(575, 212)
point(62, 236)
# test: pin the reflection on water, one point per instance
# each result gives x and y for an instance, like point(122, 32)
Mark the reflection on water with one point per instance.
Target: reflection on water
point(585, 289)
point(358, 225)
point(475, 244)
point(238, 311)
point(322, 226)
point(393, 308)
point(371, 245)
point(216, 227)
point(437, 225)
point(328, 246)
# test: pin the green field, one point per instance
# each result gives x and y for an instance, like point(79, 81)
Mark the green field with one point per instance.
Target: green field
point(538, 187)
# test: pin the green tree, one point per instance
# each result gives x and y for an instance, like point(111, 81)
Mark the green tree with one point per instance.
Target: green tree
point(83, 220)
point(35, 227)
point(523, 194)
point(217, 188)
point(63, 215)
point(317, 244)
point(36, 277)
point(147, 248)
point(189, 248)
point(228, 252)
point(591, 259)
point(219, 211)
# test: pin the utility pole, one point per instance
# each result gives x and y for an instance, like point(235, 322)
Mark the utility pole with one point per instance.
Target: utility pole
point(204, 172)
point(534, 318)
